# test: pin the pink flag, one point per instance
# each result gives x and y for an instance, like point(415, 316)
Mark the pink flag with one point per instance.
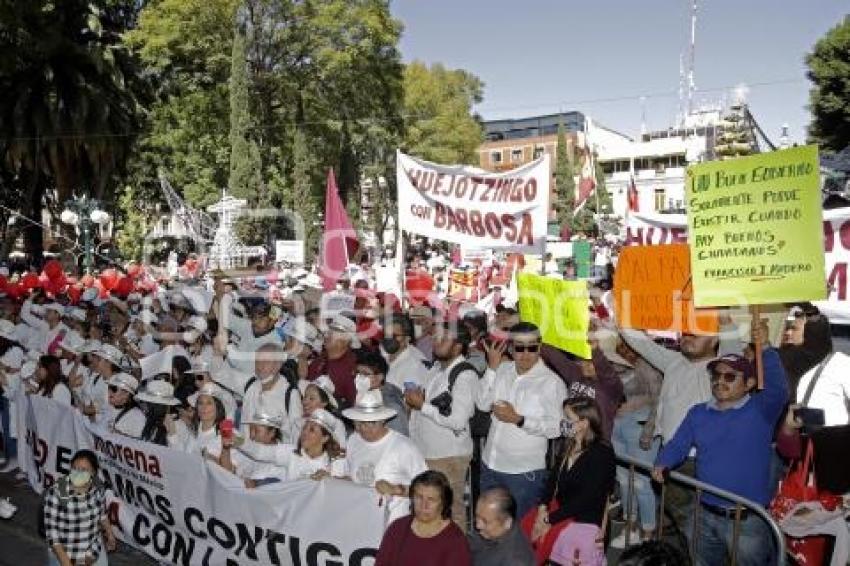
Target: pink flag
point(339, 242)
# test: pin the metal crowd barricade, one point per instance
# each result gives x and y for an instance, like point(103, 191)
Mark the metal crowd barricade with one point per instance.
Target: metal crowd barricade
point(629, 503)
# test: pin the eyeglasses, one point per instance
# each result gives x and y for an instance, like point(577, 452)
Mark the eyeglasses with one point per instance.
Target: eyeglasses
point(532, 348)
point(728, 376)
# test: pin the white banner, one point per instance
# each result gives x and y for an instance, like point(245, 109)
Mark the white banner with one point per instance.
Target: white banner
point(472, 207)
point(290, 251)
point(181, 509)
point(654, 229)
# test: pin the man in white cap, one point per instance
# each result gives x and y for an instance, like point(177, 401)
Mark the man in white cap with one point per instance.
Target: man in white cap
point(380, 457)
point(338, 361)
point(47, 331)
point(124, 417)
point(272, 392)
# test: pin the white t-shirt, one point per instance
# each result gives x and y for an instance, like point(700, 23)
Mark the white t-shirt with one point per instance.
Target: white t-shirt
point(832, 390)
point(273, 402)
point(207, 441)
point(292, 465)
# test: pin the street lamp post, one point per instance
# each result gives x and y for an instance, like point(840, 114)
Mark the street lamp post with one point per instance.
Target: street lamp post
point(84, 213)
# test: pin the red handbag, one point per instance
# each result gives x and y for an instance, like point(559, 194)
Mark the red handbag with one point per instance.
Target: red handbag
point(800, 485)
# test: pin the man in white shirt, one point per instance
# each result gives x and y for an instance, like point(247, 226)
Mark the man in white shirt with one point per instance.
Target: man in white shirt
point(440, 430)
point(271, 393)
point(405, 360)
point(249, 334)
point(380, 457)
point(527, 399)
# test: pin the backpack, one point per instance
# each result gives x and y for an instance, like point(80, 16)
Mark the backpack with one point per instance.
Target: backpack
point(289, 372)
point(479, 423)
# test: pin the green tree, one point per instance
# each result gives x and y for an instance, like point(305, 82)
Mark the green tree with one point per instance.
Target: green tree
point(245, 177)
point(565, 182)
point(829, 99)
point(71, 102)
point(305, 185)
point(133, 227)
point(440, 123)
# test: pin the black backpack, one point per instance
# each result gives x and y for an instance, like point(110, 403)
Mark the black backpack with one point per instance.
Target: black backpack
point(479, 423)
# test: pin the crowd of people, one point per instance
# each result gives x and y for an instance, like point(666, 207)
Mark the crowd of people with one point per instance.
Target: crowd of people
point(491, 447)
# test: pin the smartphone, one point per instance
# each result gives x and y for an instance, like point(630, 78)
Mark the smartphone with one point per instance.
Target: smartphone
point(811, 418)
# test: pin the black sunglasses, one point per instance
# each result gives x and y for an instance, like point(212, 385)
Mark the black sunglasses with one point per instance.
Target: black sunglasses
point(113, 389)
point(728, 376)
point(532, 348)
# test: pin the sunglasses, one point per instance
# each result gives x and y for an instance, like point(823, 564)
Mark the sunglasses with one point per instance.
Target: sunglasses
point(532, 348)
point(113, 389)
point(727, 376)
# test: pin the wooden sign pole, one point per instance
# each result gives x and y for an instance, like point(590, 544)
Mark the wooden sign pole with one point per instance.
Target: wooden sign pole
point(756, 331)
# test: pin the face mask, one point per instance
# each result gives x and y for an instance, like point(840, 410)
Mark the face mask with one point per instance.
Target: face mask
point(390, 345)
point(362, 383)
point(338, 287)
point(79, 478)
point(417, 331)
point(568, 428)
point(266, 380)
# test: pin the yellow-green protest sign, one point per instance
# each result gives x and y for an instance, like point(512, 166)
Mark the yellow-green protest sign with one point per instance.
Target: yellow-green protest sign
point(559, 308)
point(754, 228)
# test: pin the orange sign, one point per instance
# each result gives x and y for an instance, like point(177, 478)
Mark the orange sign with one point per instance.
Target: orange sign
point(653, 291)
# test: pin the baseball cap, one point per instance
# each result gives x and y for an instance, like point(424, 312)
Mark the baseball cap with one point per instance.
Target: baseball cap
point(736, 362)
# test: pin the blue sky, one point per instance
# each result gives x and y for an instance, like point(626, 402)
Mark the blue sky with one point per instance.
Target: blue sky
point(598, 57)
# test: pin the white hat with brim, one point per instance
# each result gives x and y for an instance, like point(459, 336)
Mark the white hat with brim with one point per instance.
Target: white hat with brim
point(124, 381)
point(324, 419)
point(264, 419)
point(304, 332)
point(343, 324)
point(201, 367)
point(211, 390)
point(76, 313)
point(90, 346)
point(324, 383)
point(369, 408)
point(158, 392)
point(110, 353)
point(72, 343)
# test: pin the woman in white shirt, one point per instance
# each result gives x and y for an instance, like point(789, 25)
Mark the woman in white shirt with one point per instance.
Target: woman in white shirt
point(202, 435)
point(124, 416)
point(317, 450)
point(319, 394)
point(50, 381)
point(264, 430)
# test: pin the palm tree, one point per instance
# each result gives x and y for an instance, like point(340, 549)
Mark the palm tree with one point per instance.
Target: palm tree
point(71, 99)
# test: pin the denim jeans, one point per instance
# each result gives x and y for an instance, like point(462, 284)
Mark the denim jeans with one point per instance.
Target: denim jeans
point(527, 488)
point(714, 543)
point(626, 441)
point(10, 445)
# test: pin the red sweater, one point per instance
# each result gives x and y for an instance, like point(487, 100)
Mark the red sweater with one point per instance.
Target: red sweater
point(341, 371)
point(401, 547)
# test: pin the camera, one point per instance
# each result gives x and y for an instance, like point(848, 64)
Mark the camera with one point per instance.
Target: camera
point(443, 402)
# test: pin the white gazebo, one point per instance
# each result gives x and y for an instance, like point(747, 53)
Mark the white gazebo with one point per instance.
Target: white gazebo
point(226, 251)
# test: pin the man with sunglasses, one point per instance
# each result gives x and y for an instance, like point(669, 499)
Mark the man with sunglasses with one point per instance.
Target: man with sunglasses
point(732, 434)
point(525, 397)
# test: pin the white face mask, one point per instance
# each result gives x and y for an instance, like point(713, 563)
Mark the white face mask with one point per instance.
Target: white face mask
point(417, 331)
point(266, 380)
point(362, 383)
point(79, 478)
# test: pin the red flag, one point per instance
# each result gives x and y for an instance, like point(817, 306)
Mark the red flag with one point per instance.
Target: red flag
point(586, 180)
point(339, 241)
point(634, 205)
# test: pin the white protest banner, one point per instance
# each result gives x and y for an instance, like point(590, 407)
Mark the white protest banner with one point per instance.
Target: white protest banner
point(654, 229)
point(181, 509)
point(475, 208)
point(290, 251)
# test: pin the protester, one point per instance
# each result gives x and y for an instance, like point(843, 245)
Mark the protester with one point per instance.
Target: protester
point(427, 537)
point(203, 434)
point(497, 539)
point(424, 327)
point(11, 363)
point(405, 360)
point(570, 514)
point(371, 374)
point(76, 524)
point(441, 409)
point(125, 417)
point(50, 381)
point(736, 426)
point(319, 394)
point(378, 456)
point(272, 392)
point(338, 360)
point(317, 450)
point(525, 398)
point(157, 401)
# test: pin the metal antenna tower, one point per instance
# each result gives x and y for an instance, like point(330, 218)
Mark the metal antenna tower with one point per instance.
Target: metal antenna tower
point(198, 224)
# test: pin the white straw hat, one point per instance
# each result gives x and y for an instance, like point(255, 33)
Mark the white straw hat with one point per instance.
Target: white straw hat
point(369, 407)
point(158, 392)
point(124, 381)
point(265, 419)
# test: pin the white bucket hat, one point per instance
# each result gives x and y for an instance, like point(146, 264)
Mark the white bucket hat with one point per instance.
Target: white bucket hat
point(327, 421)
point(369, 407)
point(324, 383)
point(304, 332)
point(265, 419)
point(158, 392)
point(124, 381)
point(343, 324)
point(212, 390)
point(110, 353)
